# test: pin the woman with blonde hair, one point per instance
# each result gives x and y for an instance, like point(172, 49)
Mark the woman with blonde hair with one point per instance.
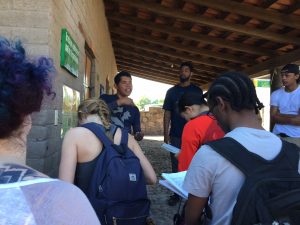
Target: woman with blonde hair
point(81, 148)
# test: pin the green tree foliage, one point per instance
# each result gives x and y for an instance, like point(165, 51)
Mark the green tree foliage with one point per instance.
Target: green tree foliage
point(158, 102)
point(146, 101)
point(142, 102)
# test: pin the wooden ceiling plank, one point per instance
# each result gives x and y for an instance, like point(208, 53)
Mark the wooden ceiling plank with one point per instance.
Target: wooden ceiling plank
point(176, 63)
point(156, 70)
point(245, 20)
point(154, 74)
point(159, 73)
point(220, 42)
point(267, 3)
point(146, 74)
point(149, 75)
point(174, 54)
point(251, 11)
point(292, 8)
point(224, 25)
point(151, 63)
point(146, 65)
point(174, 45)
point(266, 66)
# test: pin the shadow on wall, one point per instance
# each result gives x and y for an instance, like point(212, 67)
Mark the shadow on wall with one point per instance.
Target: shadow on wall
point(152, 121)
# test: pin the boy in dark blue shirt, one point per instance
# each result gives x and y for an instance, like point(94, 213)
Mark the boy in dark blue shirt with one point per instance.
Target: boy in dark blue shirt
point(124, 112)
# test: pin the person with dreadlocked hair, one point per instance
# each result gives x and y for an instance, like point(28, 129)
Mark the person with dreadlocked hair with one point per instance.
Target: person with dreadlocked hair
point(233, 101)
point(81, 148)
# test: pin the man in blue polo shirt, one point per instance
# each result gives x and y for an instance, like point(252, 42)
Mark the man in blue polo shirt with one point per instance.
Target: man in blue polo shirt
point(124, 112)
point(173, 122)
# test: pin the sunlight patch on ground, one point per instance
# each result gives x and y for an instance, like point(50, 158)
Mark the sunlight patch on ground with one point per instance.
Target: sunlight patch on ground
point(155, 138)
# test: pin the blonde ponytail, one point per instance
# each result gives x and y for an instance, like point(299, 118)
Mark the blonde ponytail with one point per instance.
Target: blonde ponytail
point(95, 106)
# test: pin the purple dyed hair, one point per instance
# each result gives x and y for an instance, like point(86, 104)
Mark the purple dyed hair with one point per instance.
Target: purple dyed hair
point(22, 85)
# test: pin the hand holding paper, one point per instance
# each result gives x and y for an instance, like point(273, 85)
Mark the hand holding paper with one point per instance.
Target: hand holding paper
point(174, 182)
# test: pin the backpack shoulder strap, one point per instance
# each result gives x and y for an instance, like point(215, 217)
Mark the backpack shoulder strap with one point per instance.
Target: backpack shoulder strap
point(237, 154)
point(98, 130)
point(111, 132)
point(291, 152)
point(124, 138)
point(113, 129)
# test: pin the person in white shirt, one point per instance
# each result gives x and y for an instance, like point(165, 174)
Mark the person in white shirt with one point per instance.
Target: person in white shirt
point(233, 101)
point(285, 106)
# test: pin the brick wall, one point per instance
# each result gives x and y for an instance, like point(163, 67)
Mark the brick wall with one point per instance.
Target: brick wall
point(38, 24)
point(152, 121)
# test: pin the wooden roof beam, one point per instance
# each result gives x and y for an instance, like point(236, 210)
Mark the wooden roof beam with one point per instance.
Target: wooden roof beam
point(147, 67)
point(292, 8)
point(148, 64)
point(157, 70)
point(185, 57)
point(146, 75)
point(160, 73)
point(130, 68)
point(251, 11)
point(221, 24)
point(266, 66)
point(177, 46)
point(150, 75)
point(222, 43)
point(168, 62)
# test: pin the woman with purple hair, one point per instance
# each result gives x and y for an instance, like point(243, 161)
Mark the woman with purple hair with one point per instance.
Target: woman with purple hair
point(27, 196)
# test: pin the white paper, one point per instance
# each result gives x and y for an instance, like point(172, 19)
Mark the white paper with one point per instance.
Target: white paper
point(166, 184)
point(174, 182)
point(170, 148)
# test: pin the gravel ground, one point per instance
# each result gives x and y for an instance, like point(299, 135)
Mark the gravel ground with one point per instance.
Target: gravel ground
point(161, 212)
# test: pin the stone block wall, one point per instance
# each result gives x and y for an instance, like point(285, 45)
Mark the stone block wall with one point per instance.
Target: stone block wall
point(152, 121)
point(28, 21)
point(87, 25)
point(43, 143)
point(38, 24)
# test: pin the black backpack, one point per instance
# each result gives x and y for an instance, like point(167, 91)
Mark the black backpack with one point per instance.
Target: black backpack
point(270, 194)
point(117, 189)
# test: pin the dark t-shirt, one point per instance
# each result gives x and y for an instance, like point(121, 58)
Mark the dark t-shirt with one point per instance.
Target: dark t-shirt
point(125, 116)
point(170, 104)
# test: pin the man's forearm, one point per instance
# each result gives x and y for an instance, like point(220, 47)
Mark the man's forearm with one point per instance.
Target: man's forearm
point(193, 210)
point(286, 119)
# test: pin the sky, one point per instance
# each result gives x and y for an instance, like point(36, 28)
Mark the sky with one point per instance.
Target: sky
point(150, 89)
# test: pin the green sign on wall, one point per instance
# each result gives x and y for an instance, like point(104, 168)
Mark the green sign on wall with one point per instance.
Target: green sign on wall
point(69, 53)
